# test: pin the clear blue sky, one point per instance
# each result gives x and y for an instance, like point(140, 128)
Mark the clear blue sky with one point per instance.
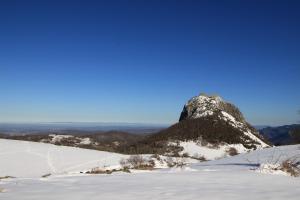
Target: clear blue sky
point(140, 61)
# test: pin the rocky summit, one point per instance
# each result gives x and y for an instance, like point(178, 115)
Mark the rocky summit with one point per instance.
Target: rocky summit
point(204, 105)
point(214, 108)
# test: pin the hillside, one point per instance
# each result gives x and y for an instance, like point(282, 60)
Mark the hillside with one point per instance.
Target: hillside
point(206, 122)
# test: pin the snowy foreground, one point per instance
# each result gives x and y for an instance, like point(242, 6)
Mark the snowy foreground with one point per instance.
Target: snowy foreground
point(32, 159)
point(228, 178)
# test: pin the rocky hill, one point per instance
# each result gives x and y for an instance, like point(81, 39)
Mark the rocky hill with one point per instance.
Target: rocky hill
point(208, 126)
point(216, 114)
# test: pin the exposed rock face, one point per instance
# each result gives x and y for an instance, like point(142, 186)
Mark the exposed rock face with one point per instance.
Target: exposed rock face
point(216, 109)
point(204, 105)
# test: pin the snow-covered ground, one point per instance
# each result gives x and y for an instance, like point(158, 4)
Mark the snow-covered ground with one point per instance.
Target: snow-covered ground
point(208, 151)
point(200, 184)
point(228, 178)
point(32, 159)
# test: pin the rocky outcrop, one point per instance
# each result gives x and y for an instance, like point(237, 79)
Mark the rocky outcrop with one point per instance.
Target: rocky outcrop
point(204, 105)
point(208, 126)
point(216, 109)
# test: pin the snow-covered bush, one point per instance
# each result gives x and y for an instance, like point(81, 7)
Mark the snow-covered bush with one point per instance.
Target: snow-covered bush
point(124, 163)
point(137, 162)
point(291, 167)
point(286, 167)
point(98, 170)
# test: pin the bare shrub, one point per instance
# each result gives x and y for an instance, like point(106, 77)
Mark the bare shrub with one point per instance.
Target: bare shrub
point(125, 165)
point(232, 151)
point(291, 167)
point(98, 170)
point(123, 162)
point(137, 162)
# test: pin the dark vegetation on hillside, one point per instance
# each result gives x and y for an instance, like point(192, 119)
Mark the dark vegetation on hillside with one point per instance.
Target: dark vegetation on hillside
point(103, 141)
point(207, 129)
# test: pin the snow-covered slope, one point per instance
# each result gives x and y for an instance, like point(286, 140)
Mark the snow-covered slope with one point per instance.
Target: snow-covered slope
point(32, 159)
point(253, 159)
point(231, 178)
point(196, 150)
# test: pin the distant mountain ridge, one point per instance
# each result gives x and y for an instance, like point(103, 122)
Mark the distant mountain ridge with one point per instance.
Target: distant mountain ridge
point(280, 135)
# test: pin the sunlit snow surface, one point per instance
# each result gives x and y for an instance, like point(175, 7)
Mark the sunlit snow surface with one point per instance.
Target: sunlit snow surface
point(228, 178)
point(32, 159)
point(209, 153)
